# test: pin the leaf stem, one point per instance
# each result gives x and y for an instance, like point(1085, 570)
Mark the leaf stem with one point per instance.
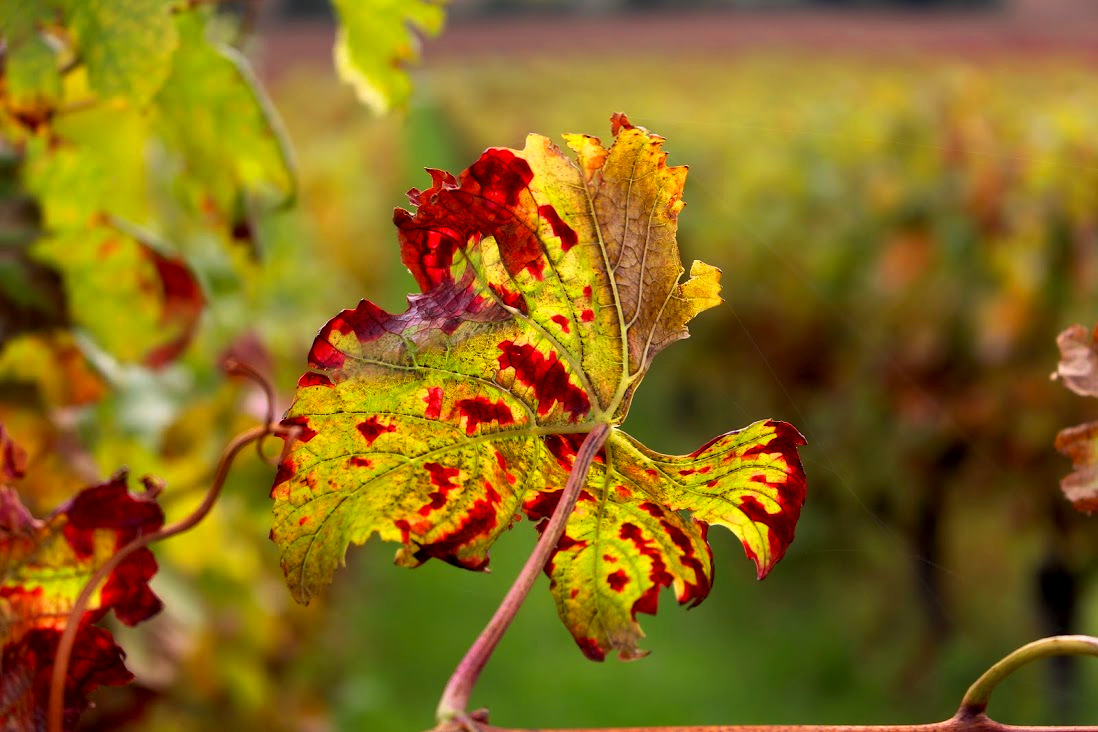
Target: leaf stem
point(455, 697)
point(55, 709)
point(970, 717)
point(976, 698)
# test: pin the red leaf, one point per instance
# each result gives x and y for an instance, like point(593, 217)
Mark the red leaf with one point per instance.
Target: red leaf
point(44, 565)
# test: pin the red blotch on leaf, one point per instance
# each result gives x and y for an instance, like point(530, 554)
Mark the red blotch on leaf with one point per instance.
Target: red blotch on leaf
point(442, 479)
point(312, 378)
point(617, 580)
point(547, 378)
point(510, 299)
point(591, 649)
point(542, 505)
point(360, 462)
point(562, 322)
point(790, 490)
point(490, 198)
point(405, 530)
point(323, 355)
point(285, 471)
point(480, 410)
point(304, 431)
point(502, 462)
point(433, 400)
point(657, 575)
point(587, 315)
point(568, 237)
point(479, 521)
point(182, 305)
point(111, 506)
point(371, 429)
point(564, 447)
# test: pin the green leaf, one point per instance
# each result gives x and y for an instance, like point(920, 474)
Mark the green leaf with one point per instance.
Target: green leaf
point(547, 290)
point(20, 20)
point(136, 302)
point(93, 167)
point(375, 42)
point(32, 77)
point(126, 45)
point(213, 114)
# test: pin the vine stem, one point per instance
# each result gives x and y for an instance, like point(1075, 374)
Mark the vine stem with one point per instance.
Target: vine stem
point(55, 709)
point(978, 723)
point(976, 698)
point(970, 717)
point(455, 698)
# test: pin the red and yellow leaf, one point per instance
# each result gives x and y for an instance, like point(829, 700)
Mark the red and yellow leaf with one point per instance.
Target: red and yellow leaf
point(44, 565)
point(547, 288)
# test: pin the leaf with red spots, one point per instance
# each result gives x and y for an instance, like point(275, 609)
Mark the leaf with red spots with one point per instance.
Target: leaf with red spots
point(547, 287)
point(44, 565)
point(1078, 368)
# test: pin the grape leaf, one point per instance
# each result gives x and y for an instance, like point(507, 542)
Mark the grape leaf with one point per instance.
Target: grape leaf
point(1078, 369)
point(216, 117)
point(376, 39)
point(53, 364)
point(32, 78)
point(547, 289)
point(137, 302)
point(126, 45)
point(44, 565)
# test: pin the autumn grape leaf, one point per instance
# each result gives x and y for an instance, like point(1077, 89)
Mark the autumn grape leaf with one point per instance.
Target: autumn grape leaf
point(44, 565)
point(215, 117)
point(1078, 369)
point(126, 45)
point(547, 288)
point(376, 39)
point(136, 301)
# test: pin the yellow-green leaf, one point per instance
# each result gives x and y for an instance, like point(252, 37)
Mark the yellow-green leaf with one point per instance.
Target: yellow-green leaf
point(32, 79)
point(214, 115)
point(547, 288)
point(375, 42)
point(126, 45)
point(137, 302)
